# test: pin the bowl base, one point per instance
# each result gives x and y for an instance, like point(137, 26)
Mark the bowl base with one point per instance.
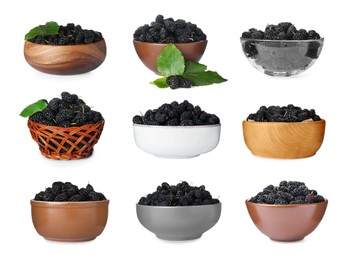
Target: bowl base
point(287, 240)
point(284, 157)
point(176, 157)
point(282, 73)
point(179, 238)
point(70, 240)
point(65, 156)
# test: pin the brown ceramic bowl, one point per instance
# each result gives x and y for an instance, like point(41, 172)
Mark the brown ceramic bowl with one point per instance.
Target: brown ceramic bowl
point(67, 59)
point(69, 221)
point(284, 140)
point(148, 51)
point(288, 223)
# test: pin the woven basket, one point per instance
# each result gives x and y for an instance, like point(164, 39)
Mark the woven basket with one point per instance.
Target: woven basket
point(66, 143)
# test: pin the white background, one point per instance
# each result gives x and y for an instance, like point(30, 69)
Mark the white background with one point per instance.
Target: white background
point(120, 88)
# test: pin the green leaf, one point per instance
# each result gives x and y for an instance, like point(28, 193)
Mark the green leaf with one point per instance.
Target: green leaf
point(51, 28)
point(170, 61)
point(161, 82)
point(194, 67)
point(204, 78)
point(34, 108)
point(48, 29)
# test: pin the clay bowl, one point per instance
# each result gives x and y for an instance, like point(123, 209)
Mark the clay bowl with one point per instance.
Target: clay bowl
point(67, 59)
point(179, 223)
point(284, 140)
point(282, 57)
point(69, 221)
point(177, 141)
point(148, 51)
point(288, 223)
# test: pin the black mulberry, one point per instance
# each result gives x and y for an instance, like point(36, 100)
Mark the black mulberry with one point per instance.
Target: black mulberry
point(181, 194)
point(177, 81)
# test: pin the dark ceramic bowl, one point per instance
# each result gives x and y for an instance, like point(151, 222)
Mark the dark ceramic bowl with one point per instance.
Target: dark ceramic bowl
point(148, 51)
point(288, 223)
point(69, 221)
point(282, 57)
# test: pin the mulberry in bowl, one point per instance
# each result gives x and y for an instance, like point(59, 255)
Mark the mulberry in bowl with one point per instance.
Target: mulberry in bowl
point(150, 40)
point(287, 132)
point(281, 50)
point(178, 212)
point(288, 212)
point(177, 130)
point(64, 213)
point(64, 128)
point(71, 50)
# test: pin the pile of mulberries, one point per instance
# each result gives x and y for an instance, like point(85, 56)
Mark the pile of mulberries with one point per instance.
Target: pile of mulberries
point(69, 35)
point(169, 31)
point(67, 111)
point(289, 113)
point(288, 192)
point(282, 31)
point(176, 114)
point(181, 194)
point(176, 81)
point(66, 191)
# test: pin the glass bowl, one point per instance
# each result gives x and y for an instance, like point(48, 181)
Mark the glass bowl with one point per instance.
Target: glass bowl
point(282, 57)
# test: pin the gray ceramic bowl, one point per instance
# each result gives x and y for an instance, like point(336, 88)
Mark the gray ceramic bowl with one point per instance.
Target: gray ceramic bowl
point(179, 223)
point(282, 57)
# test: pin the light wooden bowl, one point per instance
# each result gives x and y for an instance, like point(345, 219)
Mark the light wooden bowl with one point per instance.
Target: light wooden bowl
point(284, 140)
point(65, 59)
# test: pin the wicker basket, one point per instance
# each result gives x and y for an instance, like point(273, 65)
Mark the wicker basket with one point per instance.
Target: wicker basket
point(66, 143)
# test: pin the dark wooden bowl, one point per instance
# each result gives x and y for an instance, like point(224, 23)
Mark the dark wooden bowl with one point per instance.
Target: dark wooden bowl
point(67, 59)
point(149, 51)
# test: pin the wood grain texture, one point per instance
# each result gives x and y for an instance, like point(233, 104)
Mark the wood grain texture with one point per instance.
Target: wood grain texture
point(148, 51)
point(65, 60)
point(284, 140)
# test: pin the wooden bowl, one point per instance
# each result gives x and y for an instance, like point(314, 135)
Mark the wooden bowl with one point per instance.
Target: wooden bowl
point(288, 223)
point(65, 59)
point(148, 51)
point(69, 221)
point(284, 140)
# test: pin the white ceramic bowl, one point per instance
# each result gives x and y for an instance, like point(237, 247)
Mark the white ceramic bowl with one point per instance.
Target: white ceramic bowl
point(177, 141)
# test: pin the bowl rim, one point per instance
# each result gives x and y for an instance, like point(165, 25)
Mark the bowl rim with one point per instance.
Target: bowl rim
point(283, 41)
point(286, 123)
point(51, 45)
point(69, 204)
point(179, 207)
point(177, 126)
point(285, 205)
point(165, 44)
point(64, 128)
